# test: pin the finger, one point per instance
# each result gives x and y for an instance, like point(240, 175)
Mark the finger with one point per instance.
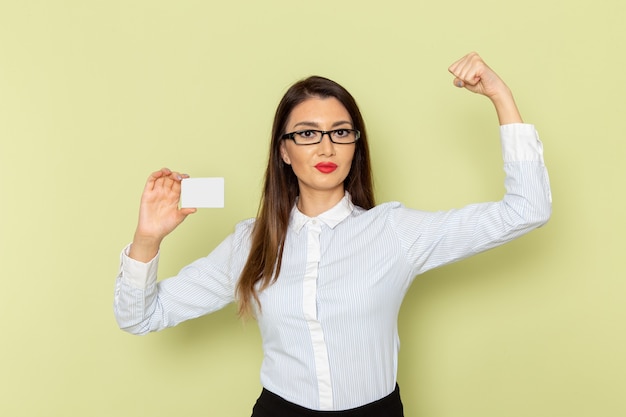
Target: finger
point(183, 213)
point(166, 178)
point(168, 182)
point(468, 73)
point(177, 176)
point(457, 67)
point(454, 68)
point(153, 178)
point(163, 172)
point(176, 185)
point(187, 211)
point(475, 70)
point(468, 77)
point(467, 69)
point(175, 179)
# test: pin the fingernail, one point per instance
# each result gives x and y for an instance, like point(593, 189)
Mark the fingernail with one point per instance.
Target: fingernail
point(459, 83)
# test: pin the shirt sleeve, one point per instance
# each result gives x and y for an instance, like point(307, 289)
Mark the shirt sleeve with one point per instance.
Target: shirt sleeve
point(433, 239)
point(142, 304)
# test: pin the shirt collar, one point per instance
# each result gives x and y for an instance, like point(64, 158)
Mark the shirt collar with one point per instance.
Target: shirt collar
point(330, 218)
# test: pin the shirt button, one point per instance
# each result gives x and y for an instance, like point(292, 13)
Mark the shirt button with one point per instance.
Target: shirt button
point(314, 221)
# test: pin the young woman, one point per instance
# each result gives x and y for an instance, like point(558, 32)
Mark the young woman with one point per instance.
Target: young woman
point(322, 268)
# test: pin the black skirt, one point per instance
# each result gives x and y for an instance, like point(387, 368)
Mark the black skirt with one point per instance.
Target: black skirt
point(271, 405)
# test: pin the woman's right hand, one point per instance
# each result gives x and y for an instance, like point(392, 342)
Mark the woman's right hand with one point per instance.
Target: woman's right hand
point(159, 214)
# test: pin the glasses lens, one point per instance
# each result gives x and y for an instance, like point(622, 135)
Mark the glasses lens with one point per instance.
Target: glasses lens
point(306, 137)
point(344, 135)
point(311, 137)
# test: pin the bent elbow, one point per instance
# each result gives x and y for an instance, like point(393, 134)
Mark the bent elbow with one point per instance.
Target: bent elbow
point(544, 212)
point(538, 216)
point(129, 324)
point(525, 215)
point(546, 217)
point(135, 330)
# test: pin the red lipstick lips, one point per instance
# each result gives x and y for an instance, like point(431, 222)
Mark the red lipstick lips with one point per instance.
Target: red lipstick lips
point(326, 167)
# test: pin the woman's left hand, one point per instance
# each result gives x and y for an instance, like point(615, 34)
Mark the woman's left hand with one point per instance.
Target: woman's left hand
point(475, 75)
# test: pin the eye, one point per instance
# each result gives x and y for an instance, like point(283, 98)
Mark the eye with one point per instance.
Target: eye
point(307, 134)
point(341, 133)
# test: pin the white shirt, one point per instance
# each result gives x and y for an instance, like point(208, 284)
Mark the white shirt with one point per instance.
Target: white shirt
point(329, 323)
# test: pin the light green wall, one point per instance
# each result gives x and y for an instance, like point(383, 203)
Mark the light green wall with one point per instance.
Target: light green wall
point(94, 95)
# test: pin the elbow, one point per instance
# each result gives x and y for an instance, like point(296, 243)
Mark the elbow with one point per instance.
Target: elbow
point(539, 215)
point(522, 218)
point(544, 205)
point(128, 324)
point(135, 330)
point(544, 211)
point(546, 217)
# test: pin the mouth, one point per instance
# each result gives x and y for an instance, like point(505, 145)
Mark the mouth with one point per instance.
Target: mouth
point(326, 167)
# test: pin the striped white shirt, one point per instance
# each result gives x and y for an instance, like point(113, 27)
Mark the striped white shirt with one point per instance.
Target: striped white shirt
point(329, 323)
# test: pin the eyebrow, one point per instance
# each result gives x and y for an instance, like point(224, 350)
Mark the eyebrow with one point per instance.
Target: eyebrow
point(316, 125)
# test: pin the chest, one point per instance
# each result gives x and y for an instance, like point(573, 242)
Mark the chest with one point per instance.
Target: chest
point(344, 272)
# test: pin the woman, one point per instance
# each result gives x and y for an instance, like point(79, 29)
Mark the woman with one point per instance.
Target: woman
point(322, 268)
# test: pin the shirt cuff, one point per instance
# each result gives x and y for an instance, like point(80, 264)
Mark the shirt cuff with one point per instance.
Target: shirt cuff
point(138, 274)
point(520, 142)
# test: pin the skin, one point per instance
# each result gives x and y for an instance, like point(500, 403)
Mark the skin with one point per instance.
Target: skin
point(472, 73)
point(318, 191)
point(159, 213)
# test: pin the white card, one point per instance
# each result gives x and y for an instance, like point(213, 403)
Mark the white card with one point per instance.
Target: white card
point(202, 192)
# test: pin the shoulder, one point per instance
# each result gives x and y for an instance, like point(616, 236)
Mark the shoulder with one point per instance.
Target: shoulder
point(393, 214)
point(382, 212)
point(243, 229)
point(378, 210)
point(237, 243)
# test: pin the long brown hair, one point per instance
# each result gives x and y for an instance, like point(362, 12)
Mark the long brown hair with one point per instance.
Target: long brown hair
point(281, 189)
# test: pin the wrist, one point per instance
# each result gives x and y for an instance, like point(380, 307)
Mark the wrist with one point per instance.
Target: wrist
point(506, 108)
point(502, 95)
point(144, 248)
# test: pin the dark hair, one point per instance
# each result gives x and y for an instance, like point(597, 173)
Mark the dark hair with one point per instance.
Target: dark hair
point(281, 189)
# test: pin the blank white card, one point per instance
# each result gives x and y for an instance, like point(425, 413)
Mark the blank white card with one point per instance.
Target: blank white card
point(202, 193)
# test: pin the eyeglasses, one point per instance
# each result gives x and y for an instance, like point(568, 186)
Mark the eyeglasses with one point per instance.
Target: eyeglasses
point(312, 137)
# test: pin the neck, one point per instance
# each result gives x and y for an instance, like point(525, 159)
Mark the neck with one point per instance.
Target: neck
point(313, 203)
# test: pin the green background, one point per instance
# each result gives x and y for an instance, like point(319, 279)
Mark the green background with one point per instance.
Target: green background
point(95, 95)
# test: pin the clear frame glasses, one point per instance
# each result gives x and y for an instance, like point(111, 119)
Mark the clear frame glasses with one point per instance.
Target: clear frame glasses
point(312, 137)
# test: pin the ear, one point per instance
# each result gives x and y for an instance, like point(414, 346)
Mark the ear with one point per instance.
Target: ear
point(284, 154)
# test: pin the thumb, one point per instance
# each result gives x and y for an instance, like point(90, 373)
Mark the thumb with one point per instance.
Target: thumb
point(474, 86)
point(184, 212)
point(459, 83)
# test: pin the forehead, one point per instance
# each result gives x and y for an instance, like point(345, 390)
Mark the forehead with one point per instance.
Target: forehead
point(319, 111)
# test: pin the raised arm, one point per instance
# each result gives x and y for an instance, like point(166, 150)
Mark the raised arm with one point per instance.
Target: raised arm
point(472, 73)
point(159, 214)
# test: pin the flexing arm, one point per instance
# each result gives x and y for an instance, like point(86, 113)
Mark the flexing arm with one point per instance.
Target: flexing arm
point(475, 75)
point(438, 238)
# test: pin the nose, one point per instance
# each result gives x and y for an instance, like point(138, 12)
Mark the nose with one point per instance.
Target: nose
point(326, 147)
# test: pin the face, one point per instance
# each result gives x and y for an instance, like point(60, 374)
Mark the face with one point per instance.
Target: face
point(320, 168)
